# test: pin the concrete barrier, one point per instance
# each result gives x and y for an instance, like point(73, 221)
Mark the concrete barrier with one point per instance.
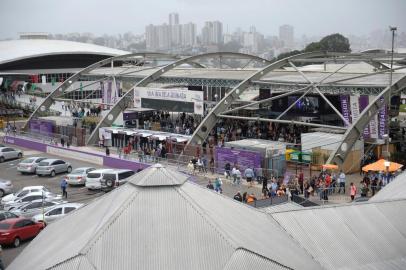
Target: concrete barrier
point(98, 159)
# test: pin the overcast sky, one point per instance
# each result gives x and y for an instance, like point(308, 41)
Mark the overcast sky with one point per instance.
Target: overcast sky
point(310, 17)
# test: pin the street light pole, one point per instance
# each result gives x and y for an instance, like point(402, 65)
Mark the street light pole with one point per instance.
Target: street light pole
point(393, 29)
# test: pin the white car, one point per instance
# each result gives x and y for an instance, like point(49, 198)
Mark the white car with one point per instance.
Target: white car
point(115, 178)
point(35, 207)
point(6, 187)
point(94, 177)
point(29, 198)
point(56, 212)
point(29, 165)
point(23, 192)
point(7, 153)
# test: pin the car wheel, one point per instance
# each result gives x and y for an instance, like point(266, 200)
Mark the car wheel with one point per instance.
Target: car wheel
point(53, 173)
point(20, 155)
point(1, 159)
point(1, 193)
point(69, 169)
point(16, 242)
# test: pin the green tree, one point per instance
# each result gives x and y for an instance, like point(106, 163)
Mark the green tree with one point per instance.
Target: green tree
point(335, 43)
point(287, 54)
point(313, 47)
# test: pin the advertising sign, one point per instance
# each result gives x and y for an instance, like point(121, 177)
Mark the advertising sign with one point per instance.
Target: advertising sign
point(175, 100)
point(242, 158)
point(345, 108)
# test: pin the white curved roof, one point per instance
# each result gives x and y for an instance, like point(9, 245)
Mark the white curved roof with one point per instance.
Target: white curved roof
point(12, 50)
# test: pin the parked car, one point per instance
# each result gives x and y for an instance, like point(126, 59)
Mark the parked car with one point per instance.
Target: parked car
point(15, 230)
point(35, 207)
point(29, 165)
point(57, 212)
point(94, 177)
point(53, 166)
point(111, 180)
point(6, 215)
point(7, 153)
point(2, 145)
point(6, 187)
point(78, 175)
point(24, 191)
point(29, 198)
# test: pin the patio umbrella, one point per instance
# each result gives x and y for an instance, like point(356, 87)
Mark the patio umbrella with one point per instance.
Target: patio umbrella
point(382, 165)
point(330, 167)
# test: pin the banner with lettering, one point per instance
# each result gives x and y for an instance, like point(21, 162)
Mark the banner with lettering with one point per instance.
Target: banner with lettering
point(363, 103)
point(344, 100)
point(382, 116)
point(169, 99)
point(373, 124)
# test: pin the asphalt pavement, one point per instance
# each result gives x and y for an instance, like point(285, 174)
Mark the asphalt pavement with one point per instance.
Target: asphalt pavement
point(8, 171)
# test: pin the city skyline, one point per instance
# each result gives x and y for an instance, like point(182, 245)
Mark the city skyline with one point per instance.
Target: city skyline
point(312, 19)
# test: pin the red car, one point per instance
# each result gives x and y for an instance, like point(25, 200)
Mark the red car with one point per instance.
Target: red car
point(15, 230)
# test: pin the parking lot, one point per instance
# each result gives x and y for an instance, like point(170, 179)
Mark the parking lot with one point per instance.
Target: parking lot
point(8, 171)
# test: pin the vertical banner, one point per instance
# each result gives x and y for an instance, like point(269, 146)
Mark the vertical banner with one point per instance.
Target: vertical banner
point(373, 124)
point(104, 94)
point(382, 115)
point(44, 79)
point(354, 108)
point(363, 103)
point(345, 108)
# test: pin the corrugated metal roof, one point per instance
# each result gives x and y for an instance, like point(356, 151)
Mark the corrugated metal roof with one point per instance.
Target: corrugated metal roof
point(181, 226)
point(158, 175)
point(353, 236)
point(394, 190)
point(288, 206)
point(244, 259)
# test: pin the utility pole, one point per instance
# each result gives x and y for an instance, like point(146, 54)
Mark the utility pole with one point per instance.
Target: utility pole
point(393, 29)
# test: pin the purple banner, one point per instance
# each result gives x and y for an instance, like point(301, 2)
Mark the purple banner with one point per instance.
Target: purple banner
point(363, 103)
point(26, 143)
point(344, 99)
point(382, 116)
point(123, 164)
point(241, 158)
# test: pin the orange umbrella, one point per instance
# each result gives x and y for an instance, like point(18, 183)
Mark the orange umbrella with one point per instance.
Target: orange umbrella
point(381, 165)
point(330, 167)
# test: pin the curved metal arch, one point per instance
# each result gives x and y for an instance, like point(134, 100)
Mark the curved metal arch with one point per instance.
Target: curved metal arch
point(353, 133)
point(46, 104)
point(208, 123)
point(122, 103)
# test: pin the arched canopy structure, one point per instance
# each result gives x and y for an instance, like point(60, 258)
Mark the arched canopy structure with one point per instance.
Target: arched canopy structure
point(124, 101)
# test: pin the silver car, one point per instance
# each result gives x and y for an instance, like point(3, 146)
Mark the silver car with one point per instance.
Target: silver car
point(53, 166)
point(36, 207)
point(29, 198)
point(29, 165)
point(78, 175)
point(57, 212)
point(7, 153)
point(6, 187)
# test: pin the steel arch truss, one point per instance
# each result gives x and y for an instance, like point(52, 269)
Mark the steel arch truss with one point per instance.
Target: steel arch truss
point(355, 131)
point(128, 97)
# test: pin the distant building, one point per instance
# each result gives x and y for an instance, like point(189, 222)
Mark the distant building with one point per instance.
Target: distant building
point(173, 18)
point(286, 35)
point(212, 33)
point(34, 35)
point(188, 35)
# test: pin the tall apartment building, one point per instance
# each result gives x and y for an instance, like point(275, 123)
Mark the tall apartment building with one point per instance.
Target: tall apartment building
point(173, 18)
point(212, 33)
point(286, 35)
point(188, 34)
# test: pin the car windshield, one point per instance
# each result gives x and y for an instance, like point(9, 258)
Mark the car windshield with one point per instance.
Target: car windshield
point(4, 226)
point(93, 175)
point(43, 163)
point(77, 171)
point(28, 160)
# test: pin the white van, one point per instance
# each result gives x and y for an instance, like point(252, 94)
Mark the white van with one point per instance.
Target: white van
point(93, 178)
point(115, 178)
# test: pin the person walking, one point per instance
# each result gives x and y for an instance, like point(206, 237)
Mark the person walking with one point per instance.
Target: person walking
point(341, 182)
point(107, 151)
point(249, 175)
point(62, 141)
point(353, 191)
point(217, 185)
point(64, 184)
